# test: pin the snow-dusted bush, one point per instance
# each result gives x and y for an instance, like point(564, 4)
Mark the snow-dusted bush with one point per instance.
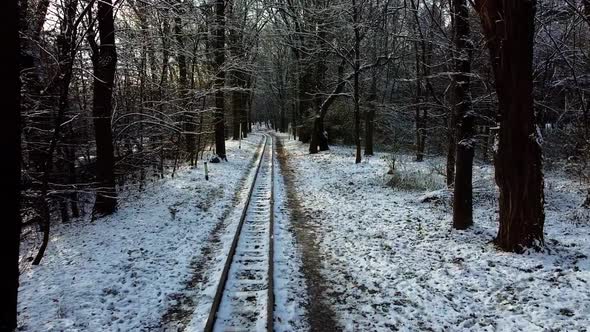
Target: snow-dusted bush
point(410, 178)
point(579, 216)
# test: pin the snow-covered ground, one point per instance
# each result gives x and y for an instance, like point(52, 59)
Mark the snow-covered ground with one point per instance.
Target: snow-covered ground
point(122, 272)
point(389, 258)
point(392, 262)
point(290, 288)
point(289, 283)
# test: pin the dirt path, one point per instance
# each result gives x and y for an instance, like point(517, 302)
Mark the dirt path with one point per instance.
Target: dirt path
point(321, 316)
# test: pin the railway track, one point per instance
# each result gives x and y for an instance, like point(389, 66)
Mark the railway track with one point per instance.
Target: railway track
point(244, 300)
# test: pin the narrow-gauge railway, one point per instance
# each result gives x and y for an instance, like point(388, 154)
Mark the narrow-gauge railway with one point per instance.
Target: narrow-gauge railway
point(244, 300)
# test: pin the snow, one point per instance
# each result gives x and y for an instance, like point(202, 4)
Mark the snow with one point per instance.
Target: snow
point(468, 143)
point(392, 261)
point(389, 258)
point(244, 301)
point(121, 273)
point(290, 288)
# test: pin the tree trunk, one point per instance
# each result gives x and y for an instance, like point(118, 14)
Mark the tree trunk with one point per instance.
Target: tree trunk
point(462, 198)
point(162, 88)
point(200, 134)
point(420, 58)
point(40, 16)
point(421, 116)
point(509, 29)
point(283, 117)
point(245, 97)
point(66, 42)
point(11, 169)
point(188, 119)
point(418, 116)
point(370, 117)
point(486, 144)
point(37, 116)
point(105, 64)
point(71, 169)
point(143, 26)
point(318, 136)
point(67, 50)
point(244, 113)
point(357, 65)
point(586, 117)
point(239, 100)
point(235, 107)
point(249, 111)
point(451, 120)
point(586, 203)
point(319, 140)
point(294, 119)
point(235, 76)
point(451, 148)
point(219, 51)
point(304, 132)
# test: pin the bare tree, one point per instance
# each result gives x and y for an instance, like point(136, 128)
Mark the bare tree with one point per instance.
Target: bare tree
point(509, 30)
point(462, 199)
point(104, 59)
point(357, 67)
point(219, 59)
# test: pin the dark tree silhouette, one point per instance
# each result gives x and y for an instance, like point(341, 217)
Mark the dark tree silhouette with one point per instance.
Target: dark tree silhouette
point(11, 171)
point(462, 199)
point(104, 59)
point(509, 29)
point(219, 59)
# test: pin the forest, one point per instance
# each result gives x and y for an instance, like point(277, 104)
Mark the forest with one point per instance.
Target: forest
point(425, 154)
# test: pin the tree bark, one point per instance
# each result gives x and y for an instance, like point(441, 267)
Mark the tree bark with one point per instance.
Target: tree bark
point(421, 57)
point(38, 122)
point(245, 104)
point(318, 136)
point(356, 97)
point(370, 116)
point(305, 103)
point(105, 65)
point(508, 26)
point(486, 145)
point(294, 119)
point(462, 198)
point(451, 147)
point(66, 51)
point(219, 58)
point(235, 107)
point(40, 16)
point(250, 103)
point(71, 170)
point(188, 119)
point(452, 123)
point(586, 117)
point(236, 80)
point(141, 12)
point(319, 140)
point(239, 99)
point(163, 87)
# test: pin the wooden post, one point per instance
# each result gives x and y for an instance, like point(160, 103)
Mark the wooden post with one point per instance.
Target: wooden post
point(206, 172)
point(240, 139)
